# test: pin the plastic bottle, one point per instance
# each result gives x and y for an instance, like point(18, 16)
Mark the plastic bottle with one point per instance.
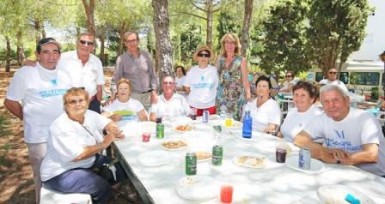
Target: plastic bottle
point(223, 112)
point(247, 125)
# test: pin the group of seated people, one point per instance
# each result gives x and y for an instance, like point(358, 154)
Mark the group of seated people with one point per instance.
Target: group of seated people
point(334, 133)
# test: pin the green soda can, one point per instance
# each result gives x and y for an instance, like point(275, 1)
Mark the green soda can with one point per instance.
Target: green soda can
point(191, 164)
point(217, 155)
point(160, 130)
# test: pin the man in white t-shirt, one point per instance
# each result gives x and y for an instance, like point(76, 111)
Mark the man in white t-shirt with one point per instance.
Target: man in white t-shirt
point(35, 96)
point(170, 103)
point(83, 69)
point(332, 79)
point(349, 136)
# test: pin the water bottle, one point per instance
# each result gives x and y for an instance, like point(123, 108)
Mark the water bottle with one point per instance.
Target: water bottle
point(223, 112)
point(247, 125)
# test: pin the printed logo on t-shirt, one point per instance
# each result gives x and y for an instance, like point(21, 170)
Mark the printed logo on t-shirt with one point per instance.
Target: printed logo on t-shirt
point(127, 115)
point(338, 141)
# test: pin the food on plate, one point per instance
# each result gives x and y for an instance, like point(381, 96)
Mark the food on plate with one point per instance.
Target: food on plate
point(202, 155)
point(183, 127)
point(255, 162)
point(176, 144)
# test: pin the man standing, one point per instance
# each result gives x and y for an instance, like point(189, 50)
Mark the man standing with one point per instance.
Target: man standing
point(344, 135)
point(84, 69)
point(332, 79)
point(35, 96)
point(137, 66)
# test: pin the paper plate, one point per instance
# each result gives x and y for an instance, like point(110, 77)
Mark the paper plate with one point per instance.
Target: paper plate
point(203, 156)
point(197, 188)
point(154, 158)
point(183, 128)
point(255, 161)
point(316, 166)
point(338, 193)
point(174, 145)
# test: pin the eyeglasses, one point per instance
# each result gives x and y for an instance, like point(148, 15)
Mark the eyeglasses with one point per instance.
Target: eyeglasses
point(83, 42)
point(131, 41)
point(288, 76)
point(168, 83)
point(332, 72)
point(73, 102)
point(204, 55)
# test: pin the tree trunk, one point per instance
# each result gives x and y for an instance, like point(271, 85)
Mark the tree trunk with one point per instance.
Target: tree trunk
point(89, 7)
point(246, 26)
point(209, 27)
point(19, 49)
point(37, 29)
point(102, 56)
point(8, 55)
point(122, 30)
point(163, 43)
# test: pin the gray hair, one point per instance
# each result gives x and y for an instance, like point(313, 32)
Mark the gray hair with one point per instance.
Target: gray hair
point(331, 87)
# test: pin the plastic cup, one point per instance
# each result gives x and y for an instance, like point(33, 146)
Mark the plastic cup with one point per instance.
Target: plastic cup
point(226, 193)
point(146, 136)
point(280, 153)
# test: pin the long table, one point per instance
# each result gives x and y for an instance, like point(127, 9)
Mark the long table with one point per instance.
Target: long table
point(275, 183)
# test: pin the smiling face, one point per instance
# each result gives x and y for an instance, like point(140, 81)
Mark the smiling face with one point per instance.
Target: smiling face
point(123, 92)
point(85, 45)
point(302, 99)
point(263, 89)
point(132, 42)
point(203, 58)
point(76, 102)
point(168, 86)
point(335, 105)
point(230, 45)
point(332, 74)
point(49, 56)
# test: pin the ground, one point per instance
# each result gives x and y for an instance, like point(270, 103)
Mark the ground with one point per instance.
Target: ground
point(16, 183)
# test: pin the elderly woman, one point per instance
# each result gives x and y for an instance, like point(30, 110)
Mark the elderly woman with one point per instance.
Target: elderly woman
point(169, 104)
point(74, 148)
point(124, 108)
point(234, 87)
point(264, 110)
point(202, 81)
point(287, 86)
point(304, 96)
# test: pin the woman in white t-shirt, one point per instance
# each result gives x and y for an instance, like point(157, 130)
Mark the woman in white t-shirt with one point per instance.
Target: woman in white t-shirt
point(180, 73)
point(304, 96)
point(264, 110)
point(201, 82)
point(125, 109)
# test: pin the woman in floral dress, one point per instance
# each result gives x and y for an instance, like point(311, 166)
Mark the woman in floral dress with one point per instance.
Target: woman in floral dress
point(234, 87)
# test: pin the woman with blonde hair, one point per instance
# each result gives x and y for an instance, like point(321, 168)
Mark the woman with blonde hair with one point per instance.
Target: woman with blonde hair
point(234, 87)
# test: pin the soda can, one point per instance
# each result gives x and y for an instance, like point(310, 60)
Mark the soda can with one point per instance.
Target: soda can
point(205, 116)
point(304, 158)
point(160, 130)
point(191, 164)
point(217, 155)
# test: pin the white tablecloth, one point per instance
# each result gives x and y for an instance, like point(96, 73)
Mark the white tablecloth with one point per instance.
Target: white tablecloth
point(276, 183)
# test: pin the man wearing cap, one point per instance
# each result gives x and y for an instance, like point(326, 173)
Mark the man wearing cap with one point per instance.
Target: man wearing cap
point(35, 95)
point(332, 79)
point(202, 81)
point(136, 65)
point(84, 69)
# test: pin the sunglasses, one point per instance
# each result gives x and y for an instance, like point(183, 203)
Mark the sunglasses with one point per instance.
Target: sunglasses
point(203, 55)
point(131, 41)
point(83, 42)
point(73, 102)
point(332, 72)
point(288, 76)
point(168, 82)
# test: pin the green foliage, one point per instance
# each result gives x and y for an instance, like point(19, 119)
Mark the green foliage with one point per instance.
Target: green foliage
point(4, 130)
point(282, 37)
point(190, 38)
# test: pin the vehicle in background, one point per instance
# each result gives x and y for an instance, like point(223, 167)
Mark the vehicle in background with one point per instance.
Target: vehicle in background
point(361, 77)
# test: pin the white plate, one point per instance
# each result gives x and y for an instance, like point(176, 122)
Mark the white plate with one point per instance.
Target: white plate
point(197, 188)
point(175, 141)
point(316, 166)
point(250, 161)
point(337, 194)
point(188, 128)
point(154, 158)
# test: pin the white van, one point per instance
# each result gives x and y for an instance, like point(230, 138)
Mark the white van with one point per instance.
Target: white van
point(359, 76)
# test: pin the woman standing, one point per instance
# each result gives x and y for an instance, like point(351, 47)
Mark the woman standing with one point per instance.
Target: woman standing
point(179, 79)
point(264, 110)
point(234, 87)
point(202, 82)
point(304, 96)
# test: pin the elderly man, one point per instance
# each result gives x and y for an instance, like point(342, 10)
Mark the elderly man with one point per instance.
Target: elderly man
point(84, 69)
point(344, 135)
point(35, 96)
point(170, 103)
point(136, 65)
point(332, 79)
